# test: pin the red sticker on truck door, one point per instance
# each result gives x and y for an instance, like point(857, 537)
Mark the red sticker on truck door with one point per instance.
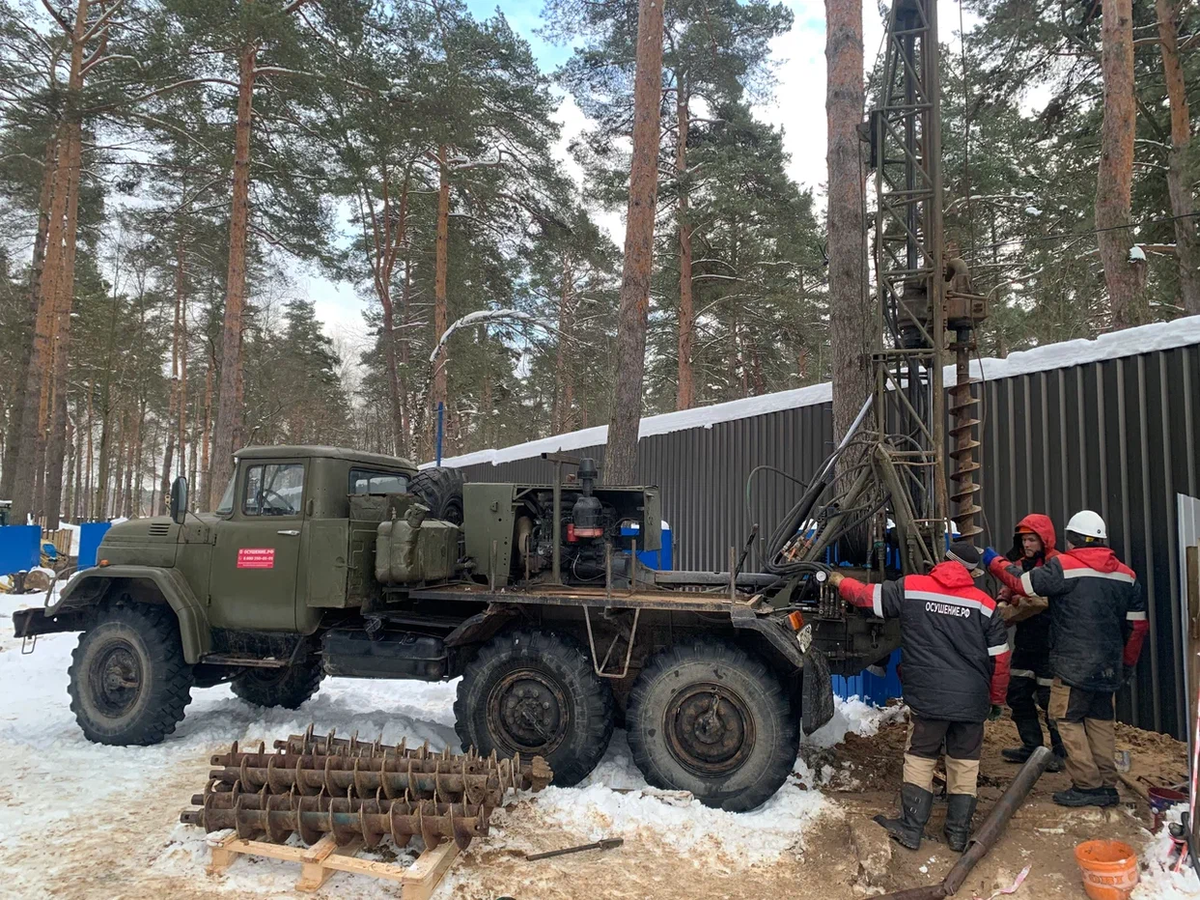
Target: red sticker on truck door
point(256, 558)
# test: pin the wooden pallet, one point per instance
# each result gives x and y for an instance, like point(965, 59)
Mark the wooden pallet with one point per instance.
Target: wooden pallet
point(322, 859)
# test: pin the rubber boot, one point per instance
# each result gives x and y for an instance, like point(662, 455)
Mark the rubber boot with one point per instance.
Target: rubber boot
point(915, 804)
point(959, 809)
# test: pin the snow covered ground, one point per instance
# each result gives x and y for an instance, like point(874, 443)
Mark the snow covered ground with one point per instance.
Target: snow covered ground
point(62, 789)
point(68, 807)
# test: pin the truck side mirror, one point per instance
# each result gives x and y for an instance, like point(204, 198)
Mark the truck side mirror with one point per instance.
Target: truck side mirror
point(179, 500)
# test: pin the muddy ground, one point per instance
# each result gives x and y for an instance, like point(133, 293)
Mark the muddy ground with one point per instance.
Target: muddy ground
point(867, 778)
point(828, 864)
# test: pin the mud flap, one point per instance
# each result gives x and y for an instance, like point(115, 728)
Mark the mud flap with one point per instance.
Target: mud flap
point(817, 691)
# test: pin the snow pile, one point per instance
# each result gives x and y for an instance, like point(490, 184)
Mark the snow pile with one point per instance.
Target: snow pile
point(853, 716)
point(1160, 881)
point(616, 801)
point(1137, 254)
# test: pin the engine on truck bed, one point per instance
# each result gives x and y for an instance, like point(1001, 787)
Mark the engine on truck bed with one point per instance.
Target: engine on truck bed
point(595, 527)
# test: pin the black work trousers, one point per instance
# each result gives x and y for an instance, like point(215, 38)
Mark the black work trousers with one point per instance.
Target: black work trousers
point(1029, 699)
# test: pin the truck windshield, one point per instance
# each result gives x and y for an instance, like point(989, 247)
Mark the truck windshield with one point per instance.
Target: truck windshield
point(225, 507)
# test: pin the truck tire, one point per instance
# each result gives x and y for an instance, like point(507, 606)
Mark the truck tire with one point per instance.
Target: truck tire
point(708, 717)
point(128, 681)
point(440, 489)
point(286, 688)
point(535, 693)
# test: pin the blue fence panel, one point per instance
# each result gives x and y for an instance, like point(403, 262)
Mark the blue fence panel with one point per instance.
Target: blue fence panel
point(19, 548)
point(90, 536)
point(873, 689)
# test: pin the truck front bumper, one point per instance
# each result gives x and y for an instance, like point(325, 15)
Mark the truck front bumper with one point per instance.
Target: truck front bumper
point(32, 622)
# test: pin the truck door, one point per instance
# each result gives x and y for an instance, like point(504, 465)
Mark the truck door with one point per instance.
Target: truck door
point(257, 553)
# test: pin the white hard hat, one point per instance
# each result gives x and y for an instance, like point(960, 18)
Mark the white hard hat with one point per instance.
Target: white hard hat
point(1088, 524)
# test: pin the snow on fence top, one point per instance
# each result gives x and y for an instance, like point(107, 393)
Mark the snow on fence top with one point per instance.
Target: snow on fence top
point(1130, 342)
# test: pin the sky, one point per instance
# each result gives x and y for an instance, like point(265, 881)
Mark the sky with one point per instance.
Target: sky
point(797, 105)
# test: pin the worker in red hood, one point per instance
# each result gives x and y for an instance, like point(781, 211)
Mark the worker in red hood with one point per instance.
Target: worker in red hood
point(954, 650)
point(1097, 622)
point(1029, 683)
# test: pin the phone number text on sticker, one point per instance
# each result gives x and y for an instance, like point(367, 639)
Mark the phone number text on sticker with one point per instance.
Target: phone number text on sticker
point(256, 558)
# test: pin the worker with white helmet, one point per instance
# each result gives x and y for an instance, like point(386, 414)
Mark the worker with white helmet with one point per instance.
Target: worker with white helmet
point(1098, 623)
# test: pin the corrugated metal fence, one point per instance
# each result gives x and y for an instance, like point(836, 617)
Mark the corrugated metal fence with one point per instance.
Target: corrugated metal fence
point(1116, 435)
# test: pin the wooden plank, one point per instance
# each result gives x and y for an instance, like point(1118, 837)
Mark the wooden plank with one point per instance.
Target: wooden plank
point(429, 869)
point(312, 873)
point(319, 862)
point(223, 855)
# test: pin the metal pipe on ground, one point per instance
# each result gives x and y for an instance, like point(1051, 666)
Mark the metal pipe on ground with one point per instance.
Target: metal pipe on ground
point(986, 835)
point(278, 816)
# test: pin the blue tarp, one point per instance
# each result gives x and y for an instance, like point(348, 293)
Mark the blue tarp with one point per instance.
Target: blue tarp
point(19, 548)
point(90, 535)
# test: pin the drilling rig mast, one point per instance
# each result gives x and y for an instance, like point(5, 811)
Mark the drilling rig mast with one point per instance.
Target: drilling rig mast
point(923, 292)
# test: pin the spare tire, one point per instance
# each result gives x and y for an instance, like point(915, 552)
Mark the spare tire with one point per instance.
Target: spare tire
point(440, 489)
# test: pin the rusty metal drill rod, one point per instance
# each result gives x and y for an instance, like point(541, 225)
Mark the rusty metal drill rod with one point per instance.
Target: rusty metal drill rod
point(281, 815)
point(986, 835)
point(532, 775)
point(486, 789)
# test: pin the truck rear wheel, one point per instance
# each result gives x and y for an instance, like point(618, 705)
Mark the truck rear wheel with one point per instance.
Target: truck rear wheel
point(129, 683)
point(535, 693)
point(709, 718)
point(441, 490)
point(288, 687)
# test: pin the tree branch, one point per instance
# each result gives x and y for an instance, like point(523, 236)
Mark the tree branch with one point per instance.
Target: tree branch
point(59, 19)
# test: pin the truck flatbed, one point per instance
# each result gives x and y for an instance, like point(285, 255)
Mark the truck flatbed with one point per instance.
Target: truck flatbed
point(644, 597)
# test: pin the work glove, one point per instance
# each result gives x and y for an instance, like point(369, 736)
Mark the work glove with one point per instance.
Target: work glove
point(988, 555)
point(996, 713)
point(836, 578)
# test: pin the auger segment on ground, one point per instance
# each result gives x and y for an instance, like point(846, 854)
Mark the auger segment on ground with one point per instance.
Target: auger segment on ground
point(279, 816)
point(452, 780)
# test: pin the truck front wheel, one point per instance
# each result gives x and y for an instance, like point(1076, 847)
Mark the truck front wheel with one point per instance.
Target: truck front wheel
point(128, 680)
point(535, 693)
point(709, 718)
point(287, 687)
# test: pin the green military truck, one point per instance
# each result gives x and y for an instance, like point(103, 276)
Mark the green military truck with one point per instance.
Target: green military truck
point(321, 561)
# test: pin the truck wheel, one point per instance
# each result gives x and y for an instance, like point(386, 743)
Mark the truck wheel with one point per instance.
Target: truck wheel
point(129, 683)
point(441, 490)
point(709, 718)
point(535, 693)
point(287, 687)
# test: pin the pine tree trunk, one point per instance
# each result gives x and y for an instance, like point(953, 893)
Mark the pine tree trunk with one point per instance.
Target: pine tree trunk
point(1115, 182)
point(686, 395)
point(228, 412)
point(68, 496)
point(561, 414)
point(139, 460)
point(12, 434)
point(79, 498)
point(406, 423)
point(56, 448)
point(118, 461)
point(40, 355)
point(131, 484)
point(89, 502)
point(206, 503)
point(181, 343)
point(620, 459)
point(441, 264)
point(851, 312)
point(1187, 246)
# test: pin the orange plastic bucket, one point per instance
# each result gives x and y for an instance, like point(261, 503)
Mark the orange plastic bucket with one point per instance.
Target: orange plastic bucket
point(1110, 869)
